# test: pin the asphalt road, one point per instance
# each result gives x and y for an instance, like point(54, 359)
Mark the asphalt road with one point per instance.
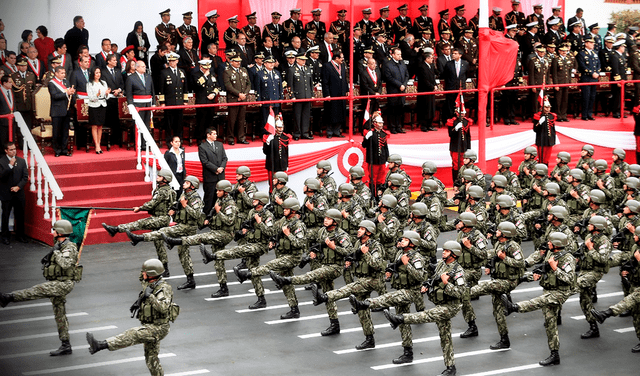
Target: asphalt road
point(223, 337)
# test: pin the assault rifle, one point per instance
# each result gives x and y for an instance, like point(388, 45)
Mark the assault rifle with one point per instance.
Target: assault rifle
point(492, 229)
point(491, 265)
point(315, 248)
point(46, 260)
point(392, 267)
point(135, 307)
point(620, 238)
point(432, 282)
point(248, 225)
point(543, 268)
point(581, 225)
point(460, 196)
point(276, 239)
point(629, 266)
point(542, 221)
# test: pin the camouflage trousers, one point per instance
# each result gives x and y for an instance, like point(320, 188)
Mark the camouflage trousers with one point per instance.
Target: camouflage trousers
point(471, 276)
point(618, 259)
point(441, 315)
point(495, 288)
point(361, 288)
point(401, 299)
point(550, 302)
point(283, 265)
point(587, 281)
point(324, 276)
point(389, 252)
point(57, 292)
point(150, 223)
point(176, 231)
point(148, 334)
point(218, 240)
point(251, 252)
point(631, 303)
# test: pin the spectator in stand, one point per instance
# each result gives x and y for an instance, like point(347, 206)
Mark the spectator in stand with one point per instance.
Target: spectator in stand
point(44, 45)
point(26, 37)
point(76, 36)
point(140, 42)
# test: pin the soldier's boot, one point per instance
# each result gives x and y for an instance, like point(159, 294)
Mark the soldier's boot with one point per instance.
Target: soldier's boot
point(504, 343)
point(594, 295)
point(260, 303)
point(509, 307)
point(369, 343)
point(5, 299)
point(279, 280)
point(64, 349)
point(334, 328)
point(222, 291)
point(636, 349)
point(318, 297)
point(190, 284)
point(207, 256)
point(626, 313)
point(552, 360)
point(357, 305)
point(242, 274)
point(135, 238)
point(309, 287)
point(593, 331)
point(294, 313)
point(406, 357)
point(171, 241)
point(395, 320)
point(95, 345)
point(166, 270)
point(112, 230)
point(559, 318)
point(242, 264)
point(449, 371)
point(601, 315)
point(472, 330)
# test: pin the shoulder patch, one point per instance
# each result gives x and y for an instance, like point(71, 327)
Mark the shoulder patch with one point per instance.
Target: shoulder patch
point(268, 222)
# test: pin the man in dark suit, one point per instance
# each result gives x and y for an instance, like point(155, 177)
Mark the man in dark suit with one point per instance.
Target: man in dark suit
point(66, 60)
point(454, 75)
point(214, 161)
point(60, 96)
point(112, 75)
point(370, 84)
point(326, 48)
point(396, 76)
point(7, 106)
point(13, 179)
point(300, 79)
point(140, 92)
point(443, 59)
point(171, 90)
point(334, 84)
point(426, 76)
point(268, 88)
point(76, 36)
point(101, 57)
point(206, 88)
point(243, 51)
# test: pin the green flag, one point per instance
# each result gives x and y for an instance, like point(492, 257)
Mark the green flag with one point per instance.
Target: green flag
point(79, 219)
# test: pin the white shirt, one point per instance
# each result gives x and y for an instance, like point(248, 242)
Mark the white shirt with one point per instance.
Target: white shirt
point(178, 158)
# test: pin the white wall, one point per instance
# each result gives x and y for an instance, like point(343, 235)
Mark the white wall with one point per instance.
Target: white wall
point(596, 11)
point(112, 19)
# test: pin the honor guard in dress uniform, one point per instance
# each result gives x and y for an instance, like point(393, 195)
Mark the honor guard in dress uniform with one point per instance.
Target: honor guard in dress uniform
point(154, 308)
point(24, 84)
point(237, 85)
point(316, 24)
point(458, 23)
point(231, 34)
point(172, 93)
point(443, 23)
point(276, 150)
point(386, 27)
point(209, 31)
point(589, 67)
point(538, 17)
point(166, 31)
point(61, 270)
point(188, 30)
point(366, 25)
point(274, 30)
point(342, 28)
point(495, 20)
point(292, 27)
point(515, 17)
point(401, 24)
point(253, 33)
point(423, 22)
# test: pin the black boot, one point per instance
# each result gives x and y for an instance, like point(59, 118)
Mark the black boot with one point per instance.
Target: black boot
point(294, 313)
point(171, 241)
point(508, 306)
point(369, 343)
point(261, 303)
point(406, 357)
point(593, 331)
point(449, 371)
point(242, 264)
point(559, 318)
point(626, 313)
point(594, 295)
point(95, 345)
point(166, 271)
point(112, 230)
point(207, 256)
point(318, 297)
point(190, 284)
point(502, 344)
point(395, 320)
point(222, 291)
point(636, 348)
point(135, 238)
point(64, 349)
point(279, 280)
point(334, 328)
point(472, 331)
point(357, 305)
point(5, 299)
point(601, 315)
point(242, 274)
point(309, 287)
point(552, 360)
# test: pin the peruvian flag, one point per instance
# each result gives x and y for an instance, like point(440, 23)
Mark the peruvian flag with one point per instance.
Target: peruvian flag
point(460, 103)
point(271, 124)
point(541, 97)
point(366, 113)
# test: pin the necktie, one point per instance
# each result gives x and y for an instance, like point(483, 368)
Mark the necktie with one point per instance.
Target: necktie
point(86, 75)
point(175, 73)
point(213, 146)
point(457, 68)
point(448, 57)
point(142, 79)
point(111, 71)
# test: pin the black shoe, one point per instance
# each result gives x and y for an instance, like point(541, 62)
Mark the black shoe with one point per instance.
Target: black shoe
point(329, 136)
point(232, 142)
point(242, 274)
point(552, 360)
point(222, 291)
point(279, 280)
point(6, 241)
point(57, 155)
point(395, 320)
point(431, 129)
point(584, 118)
point(449, 371)
point(601, 315)
point(406, 357)
point(171, 241)
point(357, 305)
point(318, 297)
point(401, 130)
point(166, 272)
point(242, 264)
point(23, 239)
point(261, 303)
point(626, 313)
point(95, 345)
point(340, 135)
point(504, 343)
point(593, 332)
point(508, 306)
point(190, 284)
point(5, 299)
point(244, 142)
point(636, 349)
point(294, 313)
point(472, 330)
point(591, 118)
point(207, 256)
point(379, 309)
point(135, 239)
point(307, 138)
point(368, 343)
point(617, 116)
point(296, 138)
point(513, 122)
point(334, 328)
point(64, 349)
point(393, 131)
point(65, 153)
point(112, 230)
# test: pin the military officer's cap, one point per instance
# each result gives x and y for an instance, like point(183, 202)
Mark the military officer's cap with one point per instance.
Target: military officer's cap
point(233, 19)
point(357, 27)
point(342, 12)
point(301, 56)
point(564, 48)
point(403, 7)
point(22, 61)
point(594, 26)
point(517, 2)
point(611, 24)
point(551, 45)
point(512, 26)
point(259, 55)
point(443, 12)
point(557, 7)
point(316, 11)
point(375, 28)
point(619, 43)
point(459, 8)
point(270, 59)
point(276, 14)
point(426, 31)
point(446, 31)
point(172, 56)
point(589, 39)
point(290, 53)
point(531, 25)
point(295, 10)
point(236, 58)
point(634, 28)
point(384, 8)
point(497, 10)
point(537, 6)
point(366, 11)
point(126, 49)
point(383, 35)
point(312, 31)
point(205, 63)
point(230, 54)
point(468, 31)
point(212, 13)
point(621, 36)
point(540, 48)
point(187, 15)
point(424, 7)
point(313, 49)
point(167, 12)
point(56, 61)
point(252, 15)
point(554, 21)
point(609, 39)
point(577, 23)
point(369, 51)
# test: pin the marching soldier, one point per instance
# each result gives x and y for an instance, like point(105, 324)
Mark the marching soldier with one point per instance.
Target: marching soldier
point(504, 169)
point(602, 181)
point(280, 193)
point(586, 161)
point(292, 28)
point(499, 186)
point(561, 171)
point(443, 23)
point(430, 197)
point(61, 270)
point(243, 192)
point(578, 194)
point(468, 162)
point(618, 167)
point(252, 32)
point(394, 163)
point(388, 225)
point(458, 23)
point(356, 174)
point(166, 31)
point(209, 30)
point(429, 169)
point(352, 213)
point(187, 30)
point(273, 30)
point(495, 20)
point(515, 17)
point(428, 233)
point(401, 24)
point(597, 199)
point(507, 211)
point(394, 184)
point(532, 198)
point(328, 186)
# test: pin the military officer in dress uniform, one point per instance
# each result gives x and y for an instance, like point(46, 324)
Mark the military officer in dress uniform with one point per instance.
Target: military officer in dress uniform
point(274, 30)
point(553, 36)
point(423, 22)
point(206, 88)
point(269, 87)
point(495, 20)
point(316, 24)
point(231, 34)
point(515, 17)
point(634, 64)
point(166, 31)
point(292, 27)
point(237, 85)
point(458, 23)
point(310, 40)
point(300, 80)
point(538, 68)
point(401, 24)
point(209, 30)
point(386, 27)
point(342, 29)
point(24, 84)
point(445, 40)
point(556, 16)
point(443, 23)
point(469, 47)
point(589, 67)
point(594, 32)
point(575, 38)
point(252, 32)
point(172, 93)
point(188, 30)
point(366, 25)
point(538, 17)
point(618, 72)
point(562, 68)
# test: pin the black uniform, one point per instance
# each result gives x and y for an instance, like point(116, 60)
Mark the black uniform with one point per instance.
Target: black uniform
point(172, 88)
point(203, 86)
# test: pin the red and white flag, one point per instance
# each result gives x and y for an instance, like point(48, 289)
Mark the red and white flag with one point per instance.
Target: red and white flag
point(270, 126)
point(366, 113)
point(541, 97)
point(460, 103)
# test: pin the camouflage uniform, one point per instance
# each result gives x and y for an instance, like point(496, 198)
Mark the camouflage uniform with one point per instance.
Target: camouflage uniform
point(631, 302)
point(532, 216)
point(155, 326)
point(389, 230)
point(59, 274)
point(186, 219)
point(619, 177)
point(480, 210)
point(577, 206)
point(244, 200)
point(589, 212)
point(471, 260)
point(588, 160)
point(407, 179)
point(441, 193)
point(593, 266)
point(492, 212)
point(314, 219)
point(479, 174)
point(402, 209)
point(537, 257)
point(626, 253)
point(435, 215)
point(350, 225)
point(513, 184)
point(563, 171)
point(525, 179)
point(608, 187)
point(428, 237)
point(364, 193)
point(328, 189)
point(283, 194)
point(517, 220)
point(535, 202)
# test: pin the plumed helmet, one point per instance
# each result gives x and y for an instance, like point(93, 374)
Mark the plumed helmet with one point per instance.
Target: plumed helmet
point(454, 247)
point(499, 181)
point(429, 167)
point(195, 183)
point(389, 201)
point(166, 175)
point(244, 171)
point(507, 229)
point(224, 185)
point(281, 176)
point(291, 203)
point(505, 161)
point(153, 267)
point(63, 227)
point(368, 225)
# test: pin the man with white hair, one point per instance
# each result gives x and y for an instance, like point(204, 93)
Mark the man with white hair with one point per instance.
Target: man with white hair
point(139, 91)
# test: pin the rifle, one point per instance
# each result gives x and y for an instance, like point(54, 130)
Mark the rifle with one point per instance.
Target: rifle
point(315, 248)
point(431, 283)
point(460, 196)
point(46, 260)
point(392, 267)
point(581, 225)
point(382, 188)
point(620, 238)
point(269, 207)
point(491, 265)
point(276, 239)
point(542, 221)
point(629, 267)
point(492, 229)
point(529, 195)
point(543, 268)
point(620, 209)
point(135, 307)
point(303, 209)
point(248, 224)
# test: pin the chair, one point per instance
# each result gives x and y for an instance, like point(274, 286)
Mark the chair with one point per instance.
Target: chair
point(43, 129)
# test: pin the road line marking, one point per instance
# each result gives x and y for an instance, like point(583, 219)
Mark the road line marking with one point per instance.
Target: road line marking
point(280, 306)
point(34, 336)
point(507, 370)
point(342, 331)
point(436, 358)
point(92, 365)
point(195, 275)
point(612, 294)
point(305, 318)
point(581, 317)
point(228, 284)
point(625, 330)
point(41, 352)
point(21, 306)
point(393, 344)
point(9, 322)
point(188, 373)
point(266, 292)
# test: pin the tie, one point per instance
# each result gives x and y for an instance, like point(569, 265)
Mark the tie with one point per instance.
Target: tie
point(457, 68)
point(448, 58)
point(22, 74)
point(175, 73)
point(142, 79)
point(86, 75)
point(271, 75)
point(213, 146)
point(111, 71)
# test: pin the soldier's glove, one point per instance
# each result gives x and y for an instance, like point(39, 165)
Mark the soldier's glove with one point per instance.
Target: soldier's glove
point(134, 307)
point(147, 291)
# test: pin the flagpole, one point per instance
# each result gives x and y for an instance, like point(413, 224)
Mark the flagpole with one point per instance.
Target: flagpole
point(483, 25)
point(93, 207)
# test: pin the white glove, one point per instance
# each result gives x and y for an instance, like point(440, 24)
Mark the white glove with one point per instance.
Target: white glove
point(269, 139)
point(542, 119)
point(368, 135)
point(458, 127)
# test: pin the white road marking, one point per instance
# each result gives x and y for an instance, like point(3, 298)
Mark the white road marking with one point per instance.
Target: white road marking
point(188, 373)
point(305, 318)
point(393, 344)
point(34, 336)
point(342, 331)
point(625, 330)
point(9, 322)
point(41, 352)
point(93, 365)
point(436, 359)
point(266, 292)
point(507, 370)
point(22, 306)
